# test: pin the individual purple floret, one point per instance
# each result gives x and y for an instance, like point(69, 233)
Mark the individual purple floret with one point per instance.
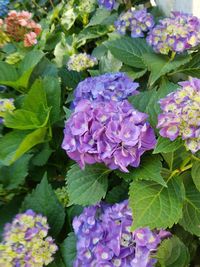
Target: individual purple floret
point(108, 4)
point(104, 238)
point(181, 114)
point(135, 21)
point(26, 242)
point(176, 34)
point(110, 86)
point(113, 133)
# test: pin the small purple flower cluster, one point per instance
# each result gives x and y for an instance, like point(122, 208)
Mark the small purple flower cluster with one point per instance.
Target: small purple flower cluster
point(25, 242)
point(110, 86)
point(104, 238)
point(136, 21)
point(108, 4)
point(181, 114)
point(178, 33)
point(112, 133)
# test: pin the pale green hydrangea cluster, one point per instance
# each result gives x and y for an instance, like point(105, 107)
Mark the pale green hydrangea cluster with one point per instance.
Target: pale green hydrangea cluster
point(14, 58)
point(62, 195)
point(81, 62)
point(6, 105)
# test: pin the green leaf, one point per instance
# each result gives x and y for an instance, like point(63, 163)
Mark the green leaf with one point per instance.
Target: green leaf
point(153, 107)
point(109, 63)
point(68, 18)
point(164, 145)
point(43, 200)
point(8, 74)
point(52, 89)
point(173, 253)
point(149, 169)
point(99, 16)
point(133, 73)
point(129, 50)
point(154, 205)
point(141, 100)
point(14, 144)
point(14, 175)
point(160, 65)
point(191, 211)
point(22, 119)
point(117, 193)
point(148, 101)
point(36, 101)
point(192, 68)
point(196, 173)
point(70, 79)
point(88, 186)
point(90, 33)
point(68, 250)
point(42, 157)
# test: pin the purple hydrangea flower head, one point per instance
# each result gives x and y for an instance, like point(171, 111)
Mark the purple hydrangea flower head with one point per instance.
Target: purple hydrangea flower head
point(110, 86)
point(181, 114)
point(136, 21)
point(25, 241)
point(113, 133)
point(178, 33)
point(108, 4)
point(80, 62)
point(104, 238)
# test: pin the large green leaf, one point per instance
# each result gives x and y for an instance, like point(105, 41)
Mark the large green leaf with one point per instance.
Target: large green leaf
point(149, 169)
point(196, 173)
point(88, 186)
point(191, 211)
point(22, 119)
point(36, 99)
point(129, 50)
point(52, 89)
point(14, 144)
point(68, 250)
point(164, 145)
point(160, 65)
point(14, 175)
point(173, 253)
point(154, 205)
point(43, 200)
point(108, 63)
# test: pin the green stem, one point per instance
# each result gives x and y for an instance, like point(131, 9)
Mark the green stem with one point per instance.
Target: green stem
point(186, 168)
point(173, 54)
point(185, 162)
point(194, 157)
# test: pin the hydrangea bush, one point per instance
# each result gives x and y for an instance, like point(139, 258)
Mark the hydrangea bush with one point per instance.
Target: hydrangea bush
point(99, 135)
